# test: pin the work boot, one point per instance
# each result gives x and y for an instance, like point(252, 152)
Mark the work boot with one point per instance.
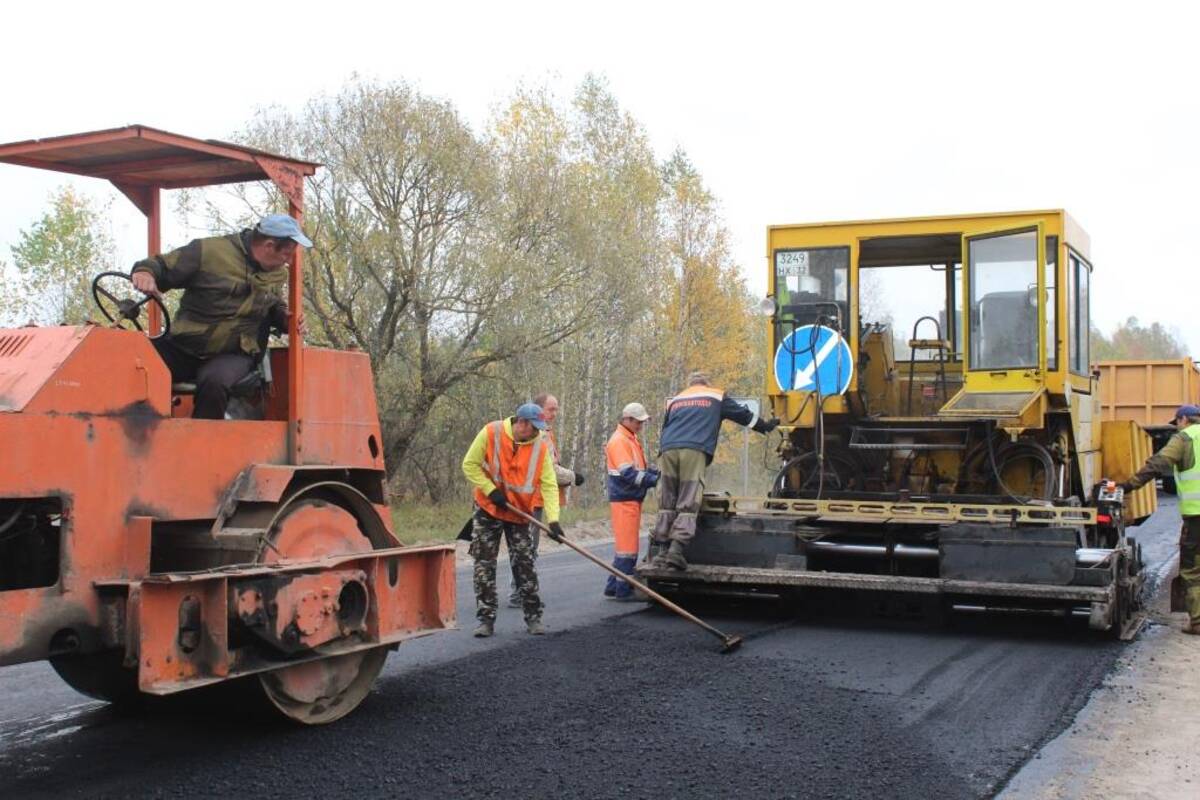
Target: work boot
point(656, 550)
point(485, 629)
point(535, 627)
point(674, 558)
point(656, 556)
point(1192, 628)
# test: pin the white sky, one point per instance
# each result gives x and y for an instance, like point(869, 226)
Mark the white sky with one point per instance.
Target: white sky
point(793, 112)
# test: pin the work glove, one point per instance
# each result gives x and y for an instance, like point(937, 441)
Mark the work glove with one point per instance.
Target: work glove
point(556, 531)
point(498, 497)
point(766, 425)
point(651, 479)
point(579, 479)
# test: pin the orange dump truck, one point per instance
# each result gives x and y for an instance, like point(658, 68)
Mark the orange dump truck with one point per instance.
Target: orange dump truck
point(1148, 392)
point(143, 551)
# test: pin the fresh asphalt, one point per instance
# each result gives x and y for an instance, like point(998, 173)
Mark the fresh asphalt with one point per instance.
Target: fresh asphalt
point(617, 701)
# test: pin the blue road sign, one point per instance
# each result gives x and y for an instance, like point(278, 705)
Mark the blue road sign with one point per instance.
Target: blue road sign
point(814, 357)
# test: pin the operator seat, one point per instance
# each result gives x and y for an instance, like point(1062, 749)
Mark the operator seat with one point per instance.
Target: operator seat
point(254, 383)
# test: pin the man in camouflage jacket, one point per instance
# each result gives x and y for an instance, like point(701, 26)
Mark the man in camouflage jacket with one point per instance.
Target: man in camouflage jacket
point(232, 295)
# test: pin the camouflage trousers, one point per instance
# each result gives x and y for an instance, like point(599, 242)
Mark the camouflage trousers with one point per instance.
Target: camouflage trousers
point(486, 535)
point(1189, 566)
point(515, 597)
point(680, 490)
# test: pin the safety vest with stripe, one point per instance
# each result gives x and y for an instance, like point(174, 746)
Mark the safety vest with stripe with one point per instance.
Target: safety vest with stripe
point(626, 466)
point(515, 467)
point(1187, 484)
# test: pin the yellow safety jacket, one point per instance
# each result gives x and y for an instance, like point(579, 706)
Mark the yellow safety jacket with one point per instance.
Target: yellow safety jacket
point(496, 459)
point(1187, 484)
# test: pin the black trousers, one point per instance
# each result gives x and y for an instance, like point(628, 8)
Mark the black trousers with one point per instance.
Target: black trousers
point(213, 376)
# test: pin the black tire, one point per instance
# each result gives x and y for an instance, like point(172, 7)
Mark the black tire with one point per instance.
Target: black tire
point(800, 477)
point(102, 676)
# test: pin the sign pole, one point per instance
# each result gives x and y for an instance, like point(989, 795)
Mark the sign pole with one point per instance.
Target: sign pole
point(745, 462)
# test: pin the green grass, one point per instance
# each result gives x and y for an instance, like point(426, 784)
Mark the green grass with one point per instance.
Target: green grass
point(417, 523)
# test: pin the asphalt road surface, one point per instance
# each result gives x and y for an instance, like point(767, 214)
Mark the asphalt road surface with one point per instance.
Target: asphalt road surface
point(618, 701)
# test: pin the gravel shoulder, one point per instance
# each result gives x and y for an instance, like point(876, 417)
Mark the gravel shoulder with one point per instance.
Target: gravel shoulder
point(1137, 737)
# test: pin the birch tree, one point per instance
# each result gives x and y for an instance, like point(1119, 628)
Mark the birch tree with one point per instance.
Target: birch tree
point(54, 261)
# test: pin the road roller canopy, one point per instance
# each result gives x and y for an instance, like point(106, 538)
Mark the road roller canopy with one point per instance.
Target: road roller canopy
point(138, 155)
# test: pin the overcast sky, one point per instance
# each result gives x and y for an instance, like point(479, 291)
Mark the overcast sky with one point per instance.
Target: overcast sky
point(793, 112)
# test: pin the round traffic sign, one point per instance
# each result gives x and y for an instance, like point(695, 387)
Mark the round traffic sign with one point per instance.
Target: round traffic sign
point(814, 358)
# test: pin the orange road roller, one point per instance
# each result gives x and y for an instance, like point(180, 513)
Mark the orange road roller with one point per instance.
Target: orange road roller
point(146, 552)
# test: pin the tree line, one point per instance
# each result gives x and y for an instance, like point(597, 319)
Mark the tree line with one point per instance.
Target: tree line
point(549, 250)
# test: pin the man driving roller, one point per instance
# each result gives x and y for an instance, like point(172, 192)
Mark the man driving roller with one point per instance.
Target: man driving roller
point(232, 295)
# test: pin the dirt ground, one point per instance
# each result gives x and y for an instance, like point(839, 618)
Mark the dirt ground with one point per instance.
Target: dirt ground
point(1139, 736)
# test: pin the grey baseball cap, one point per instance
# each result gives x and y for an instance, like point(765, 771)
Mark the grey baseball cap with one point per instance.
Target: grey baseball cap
point(281, 226)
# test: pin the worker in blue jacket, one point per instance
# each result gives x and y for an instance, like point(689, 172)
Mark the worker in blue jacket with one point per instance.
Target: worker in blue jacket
point(689, 439)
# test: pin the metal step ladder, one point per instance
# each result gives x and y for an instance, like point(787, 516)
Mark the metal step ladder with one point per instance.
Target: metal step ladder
point(937, 345)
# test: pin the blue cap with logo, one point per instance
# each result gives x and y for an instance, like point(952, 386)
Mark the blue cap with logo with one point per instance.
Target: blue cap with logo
point(281, 226)
point(533, 412)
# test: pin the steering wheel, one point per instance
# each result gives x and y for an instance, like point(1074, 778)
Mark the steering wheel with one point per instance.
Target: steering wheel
point(128, 306)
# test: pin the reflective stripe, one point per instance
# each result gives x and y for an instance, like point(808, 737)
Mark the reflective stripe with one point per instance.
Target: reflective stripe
point(714, 394)
point(533, 473)
point(1192, 474)
point(1189, 496)
point(496, 435)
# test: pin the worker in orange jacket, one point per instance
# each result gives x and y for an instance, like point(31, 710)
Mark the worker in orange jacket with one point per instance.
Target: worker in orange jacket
point(628, 481)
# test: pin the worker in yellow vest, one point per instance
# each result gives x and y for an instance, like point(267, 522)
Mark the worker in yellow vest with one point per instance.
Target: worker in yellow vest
point(508, 464)
point(1181, 455)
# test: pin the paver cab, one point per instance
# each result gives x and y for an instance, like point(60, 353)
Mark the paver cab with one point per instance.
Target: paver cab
point(145, 551)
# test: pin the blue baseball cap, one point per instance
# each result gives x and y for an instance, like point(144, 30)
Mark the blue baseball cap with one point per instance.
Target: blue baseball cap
point(281, 226)
point(533, 412)
point(1187, 411)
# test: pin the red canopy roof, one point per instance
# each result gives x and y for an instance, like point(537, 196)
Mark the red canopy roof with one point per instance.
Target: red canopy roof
point(137, 155)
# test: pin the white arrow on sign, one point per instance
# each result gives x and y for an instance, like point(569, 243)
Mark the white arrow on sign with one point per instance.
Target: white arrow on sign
point(804, 377)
